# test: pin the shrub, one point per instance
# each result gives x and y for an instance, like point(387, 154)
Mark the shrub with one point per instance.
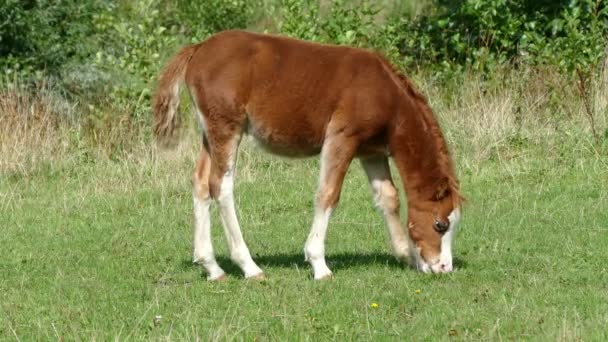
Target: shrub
point(131, 40)
point(481, 34)
point(343, 22)
point(44, 34)
point(202, 18)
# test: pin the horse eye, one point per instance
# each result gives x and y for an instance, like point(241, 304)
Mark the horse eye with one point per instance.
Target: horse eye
point(441, 226)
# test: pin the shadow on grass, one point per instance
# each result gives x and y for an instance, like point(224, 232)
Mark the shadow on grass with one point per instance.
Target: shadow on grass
point(335, 262)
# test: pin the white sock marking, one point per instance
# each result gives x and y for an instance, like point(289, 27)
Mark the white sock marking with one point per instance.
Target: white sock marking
point(314, 249)
point(203, 247)
point(239, 252)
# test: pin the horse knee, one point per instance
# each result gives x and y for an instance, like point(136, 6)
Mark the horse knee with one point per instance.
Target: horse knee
point(328, 197)
point(215, 186)
point(200, 178)
point(391, 197)
point(387, 197)
point(200, 187)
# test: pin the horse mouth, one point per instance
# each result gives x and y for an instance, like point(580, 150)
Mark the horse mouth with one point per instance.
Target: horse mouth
point(438, 266)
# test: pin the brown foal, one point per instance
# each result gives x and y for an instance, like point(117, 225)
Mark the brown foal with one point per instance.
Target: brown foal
point(298, 98)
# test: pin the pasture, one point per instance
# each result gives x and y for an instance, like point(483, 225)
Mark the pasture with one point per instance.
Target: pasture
point(96, 219)
point(98, 248)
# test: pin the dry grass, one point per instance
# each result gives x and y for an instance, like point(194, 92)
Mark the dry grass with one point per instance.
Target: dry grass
point(30, 132)
point(527, 107)
point(480, 117)
point(98, 245)
point(39, 127)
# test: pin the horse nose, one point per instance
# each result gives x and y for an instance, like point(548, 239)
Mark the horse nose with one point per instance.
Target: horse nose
point(442, 267)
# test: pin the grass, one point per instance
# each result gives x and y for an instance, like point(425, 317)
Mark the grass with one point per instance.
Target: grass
point(97, 251)
point(98, 247)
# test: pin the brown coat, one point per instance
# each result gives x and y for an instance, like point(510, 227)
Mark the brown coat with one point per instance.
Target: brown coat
point(298, 98)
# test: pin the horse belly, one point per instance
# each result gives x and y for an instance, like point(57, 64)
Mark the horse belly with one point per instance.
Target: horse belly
point(373, 149)
point(286, 137)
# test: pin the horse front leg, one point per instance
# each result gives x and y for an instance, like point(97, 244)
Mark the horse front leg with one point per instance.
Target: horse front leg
point(336, 155)
point(386, 199)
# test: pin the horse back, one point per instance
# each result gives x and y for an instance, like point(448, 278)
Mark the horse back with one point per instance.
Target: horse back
point(286, 92)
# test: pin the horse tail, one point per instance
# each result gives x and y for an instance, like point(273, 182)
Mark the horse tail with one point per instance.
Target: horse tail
point(166, 98)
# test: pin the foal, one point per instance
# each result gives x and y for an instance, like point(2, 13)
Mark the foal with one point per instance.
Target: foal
point(298, 98)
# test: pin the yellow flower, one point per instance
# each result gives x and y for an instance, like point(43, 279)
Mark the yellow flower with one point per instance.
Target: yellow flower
point(374, 305)
point(419, 291)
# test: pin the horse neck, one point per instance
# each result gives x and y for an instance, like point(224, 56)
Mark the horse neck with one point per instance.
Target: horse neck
point(420, 151)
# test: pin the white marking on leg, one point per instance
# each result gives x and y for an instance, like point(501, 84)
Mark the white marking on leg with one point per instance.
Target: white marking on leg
point(203, 247)
point(239, 253)
point(314, 250)
point(333, 170)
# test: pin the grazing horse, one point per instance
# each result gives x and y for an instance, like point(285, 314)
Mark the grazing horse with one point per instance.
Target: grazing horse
point(299, 98)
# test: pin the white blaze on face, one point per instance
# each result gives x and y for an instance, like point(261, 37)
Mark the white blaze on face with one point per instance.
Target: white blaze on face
point(444, 262)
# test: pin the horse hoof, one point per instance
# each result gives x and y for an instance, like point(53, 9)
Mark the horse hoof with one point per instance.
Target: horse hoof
point(257, 277)
point(222, 277)
point(326, 277)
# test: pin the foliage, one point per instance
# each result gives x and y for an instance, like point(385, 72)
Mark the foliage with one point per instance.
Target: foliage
point(105, 55)
point(43, 35)
point(578, 36)
point(134, 39)
point(300, 19)
point(202, 18)
point(344, 23)
point(354, 23)
point(482, 34)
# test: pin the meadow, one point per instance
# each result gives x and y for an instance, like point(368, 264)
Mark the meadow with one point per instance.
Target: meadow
point(97, 245)
point(96, 217)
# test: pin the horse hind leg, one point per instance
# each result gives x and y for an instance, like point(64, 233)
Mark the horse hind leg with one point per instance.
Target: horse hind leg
point(386, 199)
point(221, 183)
point(203, 248)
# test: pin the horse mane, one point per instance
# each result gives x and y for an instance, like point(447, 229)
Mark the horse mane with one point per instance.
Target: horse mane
point(446, 164)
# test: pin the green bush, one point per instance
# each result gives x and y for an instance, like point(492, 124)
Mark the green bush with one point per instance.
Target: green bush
point(202, 18)
point(106, 55)
point(577, 37)
point(481, 34)
point(343, 22)
point(133, 42)
point(300, 19)
point(38, 35)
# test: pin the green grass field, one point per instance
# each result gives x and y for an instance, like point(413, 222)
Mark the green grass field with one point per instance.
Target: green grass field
point(96, 219)
point(100, 249)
